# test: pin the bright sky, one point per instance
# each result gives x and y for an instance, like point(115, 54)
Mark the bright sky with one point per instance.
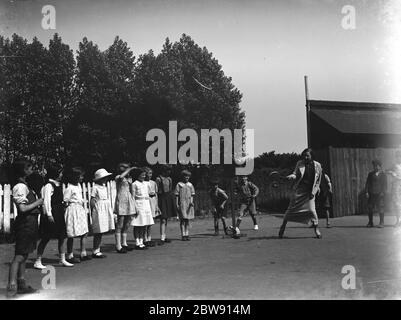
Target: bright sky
point(265, 46)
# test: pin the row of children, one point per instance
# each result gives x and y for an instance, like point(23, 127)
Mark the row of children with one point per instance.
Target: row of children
point(139, 201)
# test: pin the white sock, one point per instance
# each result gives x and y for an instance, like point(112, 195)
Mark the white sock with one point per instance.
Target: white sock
point(83, 253)
point(39, 259)
point(62, 257)
point(71, 255)
point(96, 250)
point(124, 239)
point(137, 241)
point(163, 237)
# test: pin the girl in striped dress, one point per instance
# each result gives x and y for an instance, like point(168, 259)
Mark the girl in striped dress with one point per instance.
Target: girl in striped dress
point(76, 217)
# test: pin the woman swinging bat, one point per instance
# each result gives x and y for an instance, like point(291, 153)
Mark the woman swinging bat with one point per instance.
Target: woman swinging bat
point(307, 176)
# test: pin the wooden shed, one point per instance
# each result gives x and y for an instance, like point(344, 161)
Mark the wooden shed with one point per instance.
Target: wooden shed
point(346, 137)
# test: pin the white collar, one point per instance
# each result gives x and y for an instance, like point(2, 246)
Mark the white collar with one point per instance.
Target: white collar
point(57, 183)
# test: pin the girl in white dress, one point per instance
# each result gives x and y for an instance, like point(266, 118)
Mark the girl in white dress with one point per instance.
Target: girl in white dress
point(143, 216)
point(153, 206)
point(102, 213)
point(76, 217)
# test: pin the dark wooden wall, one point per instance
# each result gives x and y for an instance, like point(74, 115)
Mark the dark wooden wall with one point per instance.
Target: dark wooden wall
point(349, 168)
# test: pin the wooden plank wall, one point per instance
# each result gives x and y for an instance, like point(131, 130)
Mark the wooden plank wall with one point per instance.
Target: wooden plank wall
point(349, 168)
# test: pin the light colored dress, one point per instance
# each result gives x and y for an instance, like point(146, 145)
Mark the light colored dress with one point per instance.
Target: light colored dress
point(102, 213)
point(76, 217)
point(124, 205)
point(302, 208)
point(153, 200)
point(185, 192)
point(140, 191)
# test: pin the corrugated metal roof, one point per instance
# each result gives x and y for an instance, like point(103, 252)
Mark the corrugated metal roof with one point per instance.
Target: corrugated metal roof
point(359, 118)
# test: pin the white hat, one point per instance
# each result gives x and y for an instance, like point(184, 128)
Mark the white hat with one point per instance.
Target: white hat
point(101, 173)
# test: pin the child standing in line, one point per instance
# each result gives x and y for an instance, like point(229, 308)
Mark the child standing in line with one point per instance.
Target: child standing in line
point(102, 213)
point(25, 228)
point(376, 185)
point(166, 201)
point(76, 217)
point(185, 193)
point(153, 205)
point(124, 206)
point(143, 216)
point(52, 223)
point(219, 198)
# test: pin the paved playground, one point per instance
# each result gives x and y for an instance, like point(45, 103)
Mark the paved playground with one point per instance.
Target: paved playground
point(256, 266)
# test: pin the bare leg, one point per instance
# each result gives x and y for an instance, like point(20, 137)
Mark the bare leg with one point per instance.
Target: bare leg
point(14, 270)
point(70, 247)
point(216, 226)
point(327, 218)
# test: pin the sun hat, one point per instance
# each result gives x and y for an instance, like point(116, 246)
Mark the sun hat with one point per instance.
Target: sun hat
point(100, 174)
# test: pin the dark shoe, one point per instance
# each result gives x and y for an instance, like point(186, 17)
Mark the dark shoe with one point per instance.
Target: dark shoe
point(74, 260)
point(85, 258)
point(149, 244)
point(122, 250)
point(161, 243)
point(140, 248)
point(328, 226)
point(381, 225)
point(128, 248)
point(187, 238)
point(98, 255)
point(216, 232)
point(369, 225)
point(183, 238)
point(166, 240)
point(12, 291)
point(318, 234)
point(23, 288)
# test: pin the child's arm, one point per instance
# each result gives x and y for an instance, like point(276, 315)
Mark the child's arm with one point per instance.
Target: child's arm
point(125, 173)
point(47, 192)
point(225, 196)
point(19, 197)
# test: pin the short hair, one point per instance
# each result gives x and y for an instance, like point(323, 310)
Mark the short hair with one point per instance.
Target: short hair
point(185, 173)
point(307, 150)
point(73, 174)
point(377, 162)
point(53, 171)
point(19, 167)
point(214, 181)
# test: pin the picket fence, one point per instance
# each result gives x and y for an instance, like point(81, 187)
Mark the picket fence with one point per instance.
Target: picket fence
point(8, 210)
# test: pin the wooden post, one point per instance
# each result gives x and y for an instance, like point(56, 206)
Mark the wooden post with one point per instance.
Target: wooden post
point(307, 105)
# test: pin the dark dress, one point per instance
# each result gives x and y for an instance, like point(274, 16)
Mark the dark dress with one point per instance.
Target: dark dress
point(166, 198)
point(26, 228)
point(56, 230)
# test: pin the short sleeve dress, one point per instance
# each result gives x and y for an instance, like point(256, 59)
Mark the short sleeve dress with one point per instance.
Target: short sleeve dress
point(124, 204)
point(76, 218)
point(26, 226)
point(143, 217)
point(102, 213)
point(185, 192)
